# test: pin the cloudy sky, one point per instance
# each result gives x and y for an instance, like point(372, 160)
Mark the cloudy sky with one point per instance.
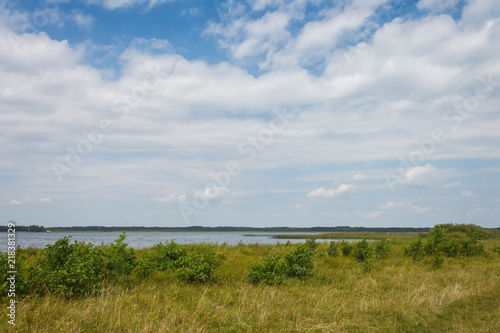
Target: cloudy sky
point(250, 113)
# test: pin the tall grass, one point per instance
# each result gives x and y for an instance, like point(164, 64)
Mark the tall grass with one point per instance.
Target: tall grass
point(397, 295)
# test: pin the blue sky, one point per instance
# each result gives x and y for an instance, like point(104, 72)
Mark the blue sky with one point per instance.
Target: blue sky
point(250, 113)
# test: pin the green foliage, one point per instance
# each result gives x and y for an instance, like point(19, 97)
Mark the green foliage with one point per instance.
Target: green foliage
point(299, 262)
point(20, 281)
point(68, 269)
point(381, 248)
point(415, 250)
point(269, 271)
point(362, 251)
point(333, 249)
point(161, 257)
point(470, 230)
point(450, 240)
point(496, 249)
point(437, 261)
point(120, 257)
point(346, 248)
point(199, 268)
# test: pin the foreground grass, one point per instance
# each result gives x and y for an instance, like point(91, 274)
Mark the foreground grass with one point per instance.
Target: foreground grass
point(398, 295)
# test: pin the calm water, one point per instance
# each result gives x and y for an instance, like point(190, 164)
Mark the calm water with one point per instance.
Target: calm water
point(147, 239)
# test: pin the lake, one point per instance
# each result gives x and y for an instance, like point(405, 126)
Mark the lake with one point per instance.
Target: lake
point(147, 239)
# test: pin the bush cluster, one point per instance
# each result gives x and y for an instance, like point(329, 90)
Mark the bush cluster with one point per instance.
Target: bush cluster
point(77, 269)
point(447, 240)
point(297, 263)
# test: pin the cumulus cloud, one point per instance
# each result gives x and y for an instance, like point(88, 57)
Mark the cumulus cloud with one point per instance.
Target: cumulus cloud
point(422, 176)
point(436, 5)
point(115, 4)
point(405, 206)
point(46, 200)
point(215, 192)
point(172, 198)
point(468, 194)
point(393, 205)
point(359, 176)
point(373, 214)
point(343, 191)
point(15, 202)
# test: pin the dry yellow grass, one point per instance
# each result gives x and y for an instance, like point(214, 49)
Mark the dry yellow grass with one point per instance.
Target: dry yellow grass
point(398, 295)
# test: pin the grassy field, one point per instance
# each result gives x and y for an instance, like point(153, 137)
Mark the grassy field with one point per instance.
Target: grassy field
point(398, 295)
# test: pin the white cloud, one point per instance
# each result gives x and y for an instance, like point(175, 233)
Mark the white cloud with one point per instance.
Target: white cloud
point(83, 21)
point(422, 176)
point(14, 202)
point(436, 5)
point(359, 176)
point(115, 4)
point(343, 190)
point(393, 205)
point(405, 206)
point(172, 198)
point(45, 200)
point(468, 194)
point(478, 211)
point(374, 214)
point(215, 192)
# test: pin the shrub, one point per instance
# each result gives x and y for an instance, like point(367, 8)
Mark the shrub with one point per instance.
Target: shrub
point(199, 268)
point(21, 282)
point(161, 257)
point(269, 271)
point(362, 251)
point(299, 262)
point(437, 261)
point(120, 257)
point(381, 248)
point(68, 269)
point(333, 249)
point(416, 250)
point(346, 248)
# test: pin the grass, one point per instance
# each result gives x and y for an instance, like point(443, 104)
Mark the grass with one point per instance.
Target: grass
point(398, 295)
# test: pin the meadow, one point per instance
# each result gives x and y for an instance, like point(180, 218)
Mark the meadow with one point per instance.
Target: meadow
point(401, 290)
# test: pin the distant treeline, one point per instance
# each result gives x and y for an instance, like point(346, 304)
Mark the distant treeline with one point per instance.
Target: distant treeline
point(36, 228)
point(239, 229)
point(21, 228)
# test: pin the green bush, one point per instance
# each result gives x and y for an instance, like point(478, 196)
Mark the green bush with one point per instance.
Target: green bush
point(161, 257)
point(437, 261)
point(362, 251)
point(199, 268)
point(120, 258)
point(333, 249)
point(416, 250)
point(346, 248)
point(269, 271)
point(450, 240)
point(381, 248)
point(299, 262)
point(68, 269)
point(20, 281)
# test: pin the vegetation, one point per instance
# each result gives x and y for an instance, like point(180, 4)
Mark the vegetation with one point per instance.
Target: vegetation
point(266, 288)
